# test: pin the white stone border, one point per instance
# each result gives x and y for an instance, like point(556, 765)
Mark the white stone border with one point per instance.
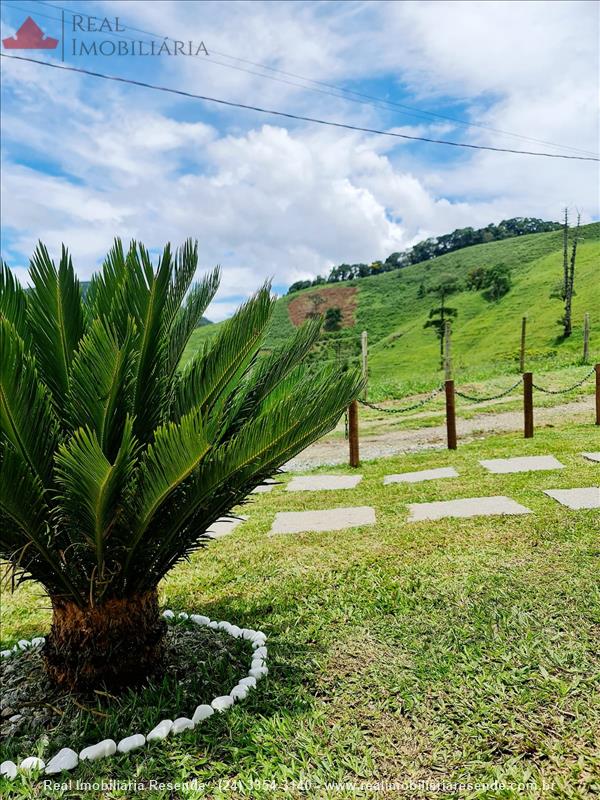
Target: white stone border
point(67, 759)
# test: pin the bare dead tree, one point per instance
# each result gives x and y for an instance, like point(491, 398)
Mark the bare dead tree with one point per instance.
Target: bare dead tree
point(570, 283)
point(565, 254)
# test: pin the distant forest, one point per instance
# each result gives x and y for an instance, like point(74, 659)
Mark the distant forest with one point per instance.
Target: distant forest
point(431, 248)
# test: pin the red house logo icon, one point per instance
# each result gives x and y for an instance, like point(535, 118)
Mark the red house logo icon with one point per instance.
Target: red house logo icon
point(30, 37)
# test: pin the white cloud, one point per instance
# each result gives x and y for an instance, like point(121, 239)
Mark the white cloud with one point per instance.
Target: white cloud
point(85, 161)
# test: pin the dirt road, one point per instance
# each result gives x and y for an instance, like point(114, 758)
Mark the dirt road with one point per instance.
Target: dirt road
point(335, 451)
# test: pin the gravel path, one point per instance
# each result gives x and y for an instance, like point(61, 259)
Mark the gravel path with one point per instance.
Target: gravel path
point(372, 446)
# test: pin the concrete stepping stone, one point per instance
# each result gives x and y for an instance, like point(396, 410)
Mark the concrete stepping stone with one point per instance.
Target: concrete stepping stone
point(222, 527)
point(521, 464)
point(334, 519)
point(576, 498)
point(466, 507)
point(267, 486)
point(320, 483)
point(421, 475)
point(592, 456)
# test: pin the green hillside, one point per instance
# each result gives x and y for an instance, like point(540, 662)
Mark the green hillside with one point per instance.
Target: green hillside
point(403, 355)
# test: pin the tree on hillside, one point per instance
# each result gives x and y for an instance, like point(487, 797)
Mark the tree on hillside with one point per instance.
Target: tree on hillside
point(497, 283)
point(333, 319)
point(438, 315)
point(316, 301)
point(569, 277)
point(476, 279)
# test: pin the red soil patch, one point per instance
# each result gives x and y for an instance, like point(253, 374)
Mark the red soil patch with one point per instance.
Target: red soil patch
point(342, 297)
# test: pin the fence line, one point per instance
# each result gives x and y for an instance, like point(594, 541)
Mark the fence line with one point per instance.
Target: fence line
point(450, 392)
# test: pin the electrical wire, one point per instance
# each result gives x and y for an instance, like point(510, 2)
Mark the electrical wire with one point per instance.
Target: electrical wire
point(288, 115)
point(358, 97)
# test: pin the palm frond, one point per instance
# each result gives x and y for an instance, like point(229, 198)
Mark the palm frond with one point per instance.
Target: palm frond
point(27, 418)
point(175, 453)
point(188, 317)
point(56, 319)
point(106, 285)
point(13, 302)
point(259, 448)
point(219, 366)
point(185, 264)
point(269, 373)
point(101, 390)
point(91, 487)
point(26, 538)
point(145, 296)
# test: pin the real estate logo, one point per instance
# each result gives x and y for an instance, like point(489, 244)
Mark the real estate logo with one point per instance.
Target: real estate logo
point(85, 35)
point(30, 37)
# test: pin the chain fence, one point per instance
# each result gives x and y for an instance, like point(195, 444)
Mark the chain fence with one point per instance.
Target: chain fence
point(405, 409)
point(568, 388)
point(474, 399)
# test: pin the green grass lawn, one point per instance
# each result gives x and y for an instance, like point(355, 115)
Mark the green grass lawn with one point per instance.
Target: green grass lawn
point(460, 650)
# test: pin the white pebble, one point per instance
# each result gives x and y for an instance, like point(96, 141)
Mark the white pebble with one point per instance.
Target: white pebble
point(182, 724)
point(31, 764)
point(38, 641)
point(6, 654)
point(199, 619)
point(257, 662)
point(65, 759)
point(23, 644)
point(248, 633)
point(161, 731)
point(183, 615)
point(258, 672)
point(222, 703)
point(235, 631)
point(260, 642)
point(249, 681)
point(131, 743)
point(8, 769)
point(202, 712)
point(239, 692)
point(225, 626)
point(214, 625)
point(168, 614)
point(103, 749)
point(260, 652)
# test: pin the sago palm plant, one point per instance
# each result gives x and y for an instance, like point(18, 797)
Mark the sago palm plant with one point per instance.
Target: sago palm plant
point(114, 461)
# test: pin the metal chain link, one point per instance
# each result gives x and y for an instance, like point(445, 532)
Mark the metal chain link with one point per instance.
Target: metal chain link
point(472, 398)
point(569, 388)
point(489, 397)
point(406, 408)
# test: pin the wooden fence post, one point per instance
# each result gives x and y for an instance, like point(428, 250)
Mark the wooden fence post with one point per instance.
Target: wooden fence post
point(448, 350)
point(586, 338)
point(449, 386)
point(450, 415)
point(364, 347)
point(523, 334)
point(528, 404)
point(597, 394)
point(353, 433)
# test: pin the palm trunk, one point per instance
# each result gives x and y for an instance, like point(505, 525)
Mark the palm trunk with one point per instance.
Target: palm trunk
point(115, 644)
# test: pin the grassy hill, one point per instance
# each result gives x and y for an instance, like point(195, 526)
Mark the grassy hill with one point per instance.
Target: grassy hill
point(403, 356)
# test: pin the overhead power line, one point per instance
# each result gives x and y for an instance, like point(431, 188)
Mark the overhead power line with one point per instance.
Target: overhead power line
point(339, 92)
point(288, 115)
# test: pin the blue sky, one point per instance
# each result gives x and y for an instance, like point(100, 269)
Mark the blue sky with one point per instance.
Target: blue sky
point(84, 160)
